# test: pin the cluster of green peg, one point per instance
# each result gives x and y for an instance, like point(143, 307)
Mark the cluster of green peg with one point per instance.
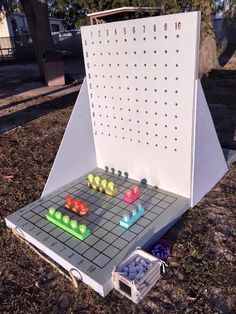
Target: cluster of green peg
point(80, 231)
point(102, 185)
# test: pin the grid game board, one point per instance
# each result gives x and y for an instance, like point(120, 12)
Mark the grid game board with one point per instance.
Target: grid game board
point(94, 259)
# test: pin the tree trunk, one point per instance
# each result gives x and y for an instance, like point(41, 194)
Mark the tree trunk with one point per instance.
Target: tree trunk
point(208, 58)
point(36, 12)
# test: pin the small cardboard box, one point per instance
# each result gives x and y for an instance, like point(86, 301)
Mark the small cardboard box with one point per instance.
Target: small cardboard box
point(136, 290)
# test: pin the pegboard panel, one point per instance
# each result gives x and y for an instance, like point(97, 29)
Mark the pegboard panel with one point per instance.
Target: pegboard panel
point(141, 82)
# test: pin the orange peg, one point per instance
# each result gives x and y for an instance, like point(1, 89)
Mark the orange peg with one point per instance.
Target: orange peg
point(69, 202)
point(76, 206)
point(83, 209)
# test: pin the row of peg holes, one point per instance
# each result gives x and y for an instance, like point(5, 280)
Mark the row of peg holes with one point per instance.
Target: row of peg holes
point(129, 110)
point(122, 77)
point(128, 88)
point(128, 99)
point(126, 52)
point(138, 121)
point(125, 40)
point(99, 106)
point(127, 77)
point(127, 65)
point(130, 120)
point(131, 140)
point(120, 98)
point(147, 133)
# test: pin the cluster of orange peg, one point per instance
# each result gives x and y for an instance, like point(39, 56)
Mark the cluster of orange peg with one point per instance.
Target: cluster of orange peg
point(76, 206)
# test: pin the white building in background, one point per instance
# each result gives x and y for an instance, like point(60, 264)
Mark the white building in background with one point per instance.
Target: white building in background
point(16, 24)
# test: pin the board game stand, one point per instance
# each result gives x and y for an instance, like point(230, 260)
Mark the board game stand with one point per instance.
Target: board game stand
point(140, 119)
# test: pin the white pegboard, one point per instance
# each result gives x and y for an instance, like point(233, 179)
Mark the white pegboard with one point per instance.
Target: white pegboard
point(141, 83)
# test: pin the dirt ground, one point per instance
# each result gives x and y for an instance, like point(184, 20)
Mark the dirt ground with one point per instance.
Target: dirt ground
point(200, 277)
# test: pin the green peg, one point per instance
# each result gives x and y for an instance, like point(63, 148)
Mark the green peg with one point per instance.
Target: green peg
point(52, 211)
point(73, 224)
point(66, 219)
point(80, 231)
point(82, 228)
point(58, 215)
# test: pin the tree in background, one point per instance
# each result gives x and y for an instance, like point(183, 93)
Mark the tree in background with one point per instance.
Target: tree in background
point(100, 5)
point(208, 58)
point(70, 11)
point(36, 12)
point(73, 10)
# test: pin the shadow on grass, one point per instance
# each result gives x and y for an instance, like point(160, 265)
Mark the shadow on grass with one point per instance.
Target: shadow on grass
point(15, 103)
point(21, 117)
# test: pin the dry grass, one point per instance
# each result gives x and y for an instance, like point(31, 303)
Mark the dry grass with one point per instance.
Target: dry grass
point(200, 277)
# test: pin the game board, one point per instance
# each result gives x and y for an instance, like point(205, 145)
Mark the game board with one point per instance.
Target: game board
point(141, 111)
point(94, 259)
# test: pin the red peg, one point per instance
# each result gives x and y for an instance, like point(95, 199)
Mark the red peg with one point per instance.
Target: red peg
point(136, 193)
point(76, 206)
point(69, 202)
point(132, 195)
point(83, 209)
